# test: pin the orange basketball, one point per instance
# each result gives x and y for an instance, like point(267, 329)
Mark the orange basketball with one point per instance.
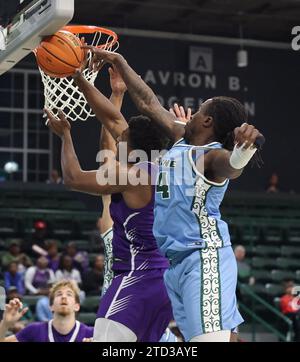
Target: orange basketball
point(60, 54)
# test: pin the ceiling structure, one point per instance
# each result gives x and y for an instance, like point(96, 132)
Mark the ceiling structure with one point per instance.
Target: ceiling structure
point(259, 19)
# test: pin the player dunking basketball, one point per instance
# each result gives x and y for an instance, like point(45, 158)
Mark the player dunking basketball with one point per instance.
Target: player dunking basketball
point(136, 306)
point(215, 146)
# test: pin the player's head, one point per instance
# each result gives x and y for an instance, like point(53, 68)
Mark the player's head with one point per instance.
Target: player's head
point(144, 134)
point(218, 117)
point(64, 298)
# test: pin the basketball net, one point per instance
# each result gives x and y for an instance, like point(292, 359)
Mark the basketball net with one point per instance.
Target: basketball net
point(62, 93)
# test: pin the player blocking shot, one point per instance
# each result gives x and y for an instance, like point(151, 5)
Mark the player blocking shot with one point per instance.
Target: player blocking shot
point(136, 306)
point(213, 148)
point(64, 304)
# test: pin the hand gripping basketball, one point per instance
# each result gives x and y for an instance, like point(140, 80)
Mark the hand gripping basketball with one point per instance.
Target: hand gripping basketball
point(100, 57)
point(60, 91)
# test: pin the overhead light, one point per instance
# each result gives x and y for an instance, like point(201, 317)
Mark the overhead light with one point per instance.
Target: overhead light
point(11, 167)
point(242, 54)
point(242, 58)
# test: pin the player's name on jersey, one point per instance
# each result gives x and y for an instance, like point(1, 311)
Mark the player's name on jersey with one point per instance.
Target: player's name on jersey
point(167, 163)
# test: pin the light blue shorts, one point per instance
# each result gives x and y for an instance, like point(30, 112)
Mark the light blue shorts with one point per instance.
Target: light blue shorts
point(202, 290)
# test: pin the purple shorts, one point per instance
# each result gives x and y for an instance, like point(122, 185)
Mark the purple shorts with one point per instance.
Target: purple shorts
point(139, 300)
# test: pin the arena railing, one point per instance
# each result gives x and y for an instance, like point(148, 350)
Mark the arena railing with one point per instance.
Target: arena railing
point(257, 300)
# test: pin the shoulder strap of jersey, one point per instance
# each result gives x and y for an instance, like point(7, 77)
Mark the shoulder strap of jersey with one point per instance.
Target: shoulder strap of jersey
point(192, 159)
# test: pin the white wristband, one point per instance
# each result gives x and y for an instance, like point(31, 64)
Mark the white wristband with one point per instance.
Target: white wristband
point(180, 122)
point(240, 156)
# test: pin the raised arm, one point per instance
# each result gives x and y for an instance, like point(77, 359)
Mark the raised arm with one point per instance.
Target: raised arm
point(223, 164)
point(118, 88)
point(107, 142)
point(105, 111)
point(141, 94)
point(105, 221)
point(105, 180)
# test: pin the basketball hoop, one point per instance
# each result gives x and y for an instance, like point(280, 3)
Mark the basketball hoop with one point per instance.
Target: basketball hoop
point(62, 93)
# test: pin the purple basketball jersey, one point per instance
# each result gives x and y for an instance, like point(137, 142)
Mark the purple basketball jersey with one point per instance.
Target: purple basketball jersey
point(137, 296)
point(134, 246)
point(42, 332)
point(139, 300)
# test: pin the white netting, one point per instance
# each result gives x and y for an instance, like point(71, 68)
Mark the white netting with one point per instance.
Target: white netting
point(63, 94)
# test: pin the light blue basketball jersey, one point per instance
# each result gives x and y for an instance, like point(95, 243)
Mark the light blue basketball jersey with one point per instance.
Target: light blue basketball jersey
point(187, 215)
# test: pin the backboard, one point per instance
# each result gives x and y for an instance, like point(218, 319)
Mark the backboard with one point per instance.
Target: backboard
point(23, 31)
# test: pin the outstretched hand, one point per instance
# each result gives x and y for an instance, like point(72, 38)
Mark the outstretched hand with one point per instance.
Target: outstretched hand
point(14, 311)
point(116, 81)
point(58, 126)
point(180, 114)
point(100, 57)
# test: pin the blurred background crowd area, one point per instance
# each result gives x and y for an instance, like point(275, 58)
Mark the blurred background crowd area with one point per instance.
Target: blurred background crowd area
point(48, 233)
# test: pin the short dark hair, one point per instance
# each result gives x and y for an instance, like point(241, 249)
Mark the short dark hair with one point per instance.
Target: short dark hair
point(146, 135)
point(228, 113)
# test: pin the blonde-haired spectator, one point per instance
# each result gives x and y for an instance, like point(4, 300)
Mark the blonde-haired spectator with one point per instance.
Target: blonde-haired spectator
point(63, 327)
